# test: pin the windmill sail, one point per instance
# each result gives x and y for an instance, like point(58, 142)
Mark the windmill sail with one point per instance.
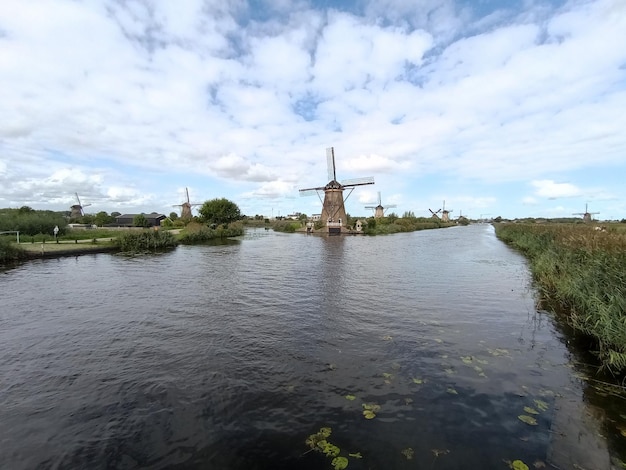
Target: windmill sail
point(333, 207)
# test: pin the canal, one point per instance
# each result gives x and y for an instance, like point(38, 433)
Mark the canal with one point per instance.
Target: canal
point(422, 350)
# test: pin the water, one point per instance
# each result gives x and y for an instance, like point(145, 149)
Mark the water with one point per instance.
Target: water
point(229, 356)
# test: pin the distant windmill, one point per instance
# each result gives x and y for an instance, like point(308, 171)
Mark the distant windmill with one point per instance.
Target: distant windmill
point(185, 207)
point(445, 213)
point(333, 208)
point(76, 210)
point(379, 210)
point(435, 213)
point(586, 215)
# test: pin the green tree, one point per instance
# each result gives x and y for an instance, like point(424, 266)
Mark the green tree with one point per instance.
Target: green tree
point(173, 215)
point(140, 221)
point(102, 218)
point(115, 214)
point(408, 215)
point(219, 211)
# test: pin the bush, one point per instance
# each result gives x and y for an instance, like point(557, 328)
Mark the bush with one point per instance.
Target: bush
point(145, 241)
point(9, 251)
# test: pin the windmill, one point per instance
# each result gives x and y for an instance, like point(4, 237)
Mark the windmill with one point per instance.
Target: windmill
point(185, 207)
point(379, 210)
point(333, 208)
point(434, 214)
point(76, 210)
point(586, 215)
point(445, 213)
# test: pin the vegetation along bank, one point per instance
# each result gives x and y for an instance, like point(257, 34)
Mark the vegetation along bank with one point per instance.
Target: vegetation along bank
point(579, 270)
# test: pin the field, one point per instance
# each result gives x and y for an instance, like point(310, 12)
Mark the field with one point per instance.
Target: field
point(580, 270)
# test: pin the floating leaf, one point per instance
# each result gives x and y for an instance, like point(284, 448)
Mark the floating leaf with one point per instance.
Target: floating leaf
point(518, 465)
point(372, 407)
point(368, 414)
point(387, 375)
point(478, 369)
point(467, 359)
point(438, 340)
point(387, 338)
point(332, 366)
point(528, 420)
point(449, 371)
point(408, 453)
point(530, 411)
point(542, 405)
point(482, 361)
point(539, 464)
point(339, 463)
point(329, 449)
point(452, 391)
point(325, 432)
point(350, 397)
point(417, 381)
point(408, 401)
point(356, 455)
point(498, 352)
point(443, 356)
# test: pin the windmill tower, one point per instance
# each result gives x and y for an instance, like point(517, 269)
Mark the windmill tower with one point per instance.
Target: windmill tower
point(445, 213)
point(333, 208)
point(586, 215)
point(379, 210)
point(76, 210)
point(185, 207)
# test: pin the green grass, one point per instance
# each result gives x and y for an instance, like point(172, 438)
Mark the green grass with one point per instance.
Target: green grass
point(9, 251)
point(199, 233)
point(581, 272)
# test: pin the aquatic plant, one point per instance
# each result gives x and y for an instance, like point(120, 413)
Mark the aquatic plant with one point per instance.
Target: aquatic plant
point(145, 241)
point(199, 233)
point(580, 274)
point(9, 251)
point(319, 442)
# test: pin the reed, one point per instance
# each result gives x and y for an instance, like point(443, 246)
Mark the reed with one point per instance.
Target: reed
point(200, 233)
point(581, 272)
point(145, 241)
point(9, 251)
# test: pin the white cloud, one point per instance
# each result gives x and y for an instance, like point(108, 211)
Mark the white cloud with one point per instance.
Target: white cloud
point(553, 190)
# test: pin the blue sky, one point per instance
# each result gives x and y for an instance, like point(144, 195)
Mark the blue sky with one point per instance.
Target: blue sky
point(510, 108)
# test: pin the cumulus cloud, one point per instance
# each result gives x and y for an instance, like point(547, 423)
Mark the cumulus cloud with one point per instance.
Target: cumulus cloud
point(251, 97)
point(553, 190)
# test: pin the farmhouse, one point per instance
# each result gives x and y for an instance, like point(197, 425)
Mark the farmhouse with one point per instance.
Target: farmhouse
point(153, 220)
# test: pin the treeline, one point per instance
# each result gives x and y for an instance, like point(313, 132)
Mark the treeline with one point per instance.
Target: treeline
point(32, 222)
point(580, 271)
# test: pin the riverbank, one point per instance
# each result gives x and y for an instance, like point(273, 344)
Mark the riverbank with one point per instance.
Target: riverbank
point(579, 271)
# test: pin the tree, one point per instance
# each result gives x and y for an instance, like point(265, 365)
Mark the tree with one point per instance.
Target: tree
point(173, 215)
point(115, 214)
point(140, 221)
point(102, 218)
point(219, 211)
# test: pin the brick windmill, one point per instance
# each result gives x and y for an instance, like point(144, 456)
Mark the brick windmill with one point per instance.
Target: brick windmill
point(379, 210)
point(76, 210)
point(185, 207)
point(333, 208)
point(586, 215)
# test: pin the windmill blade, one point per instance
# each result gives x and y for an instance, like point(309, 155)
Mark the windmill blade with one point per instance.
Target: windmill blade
point(358, 181)
point(310, 191)
point(370, 207)
point(78, 199)
point(187, 192)
point(390, 206)
point(330, 162)
point(379, 199)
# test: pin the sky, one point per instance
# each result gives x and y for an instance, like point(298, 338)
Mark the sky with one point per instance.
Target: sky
point(511, 108)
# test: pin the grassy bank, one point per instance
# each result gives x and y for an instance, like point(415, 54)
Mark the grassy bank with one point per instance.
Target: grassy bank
point(10, 252)
point(581, 272)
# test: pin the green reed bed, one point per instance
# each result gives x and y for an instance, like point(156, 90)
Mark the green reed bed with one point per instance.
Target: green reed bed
point(199, 233)
point(9, 251)
point(582, 271)
point(145, 241)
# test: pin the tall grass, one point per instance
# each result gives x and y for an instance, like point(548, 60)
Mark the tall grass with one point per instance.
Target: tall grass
point(145, 241)
point(199, 233)
point(9, 251)
point(582, 272)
